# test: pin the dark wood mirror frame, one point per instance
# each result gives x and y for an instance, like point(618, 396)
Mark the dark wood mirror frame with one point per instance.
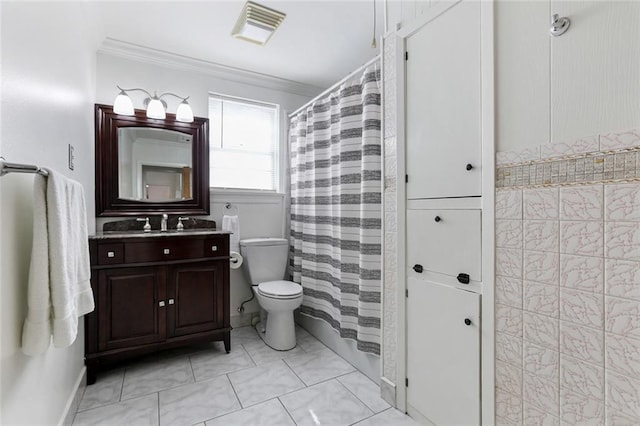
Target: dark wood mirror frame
point(108, 202)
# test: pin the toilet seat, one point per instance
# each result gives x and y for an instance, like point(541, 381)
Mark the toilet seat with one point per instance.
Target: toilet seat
point(280, 289)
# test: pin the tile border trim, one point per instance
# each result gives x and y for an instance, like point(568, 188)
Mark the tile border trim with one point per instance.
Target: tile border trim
point(615, 160)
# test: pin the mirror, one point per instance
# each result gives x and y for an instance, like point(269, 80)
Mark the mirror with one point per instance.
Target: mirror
point(147, 165)
point(154, 164)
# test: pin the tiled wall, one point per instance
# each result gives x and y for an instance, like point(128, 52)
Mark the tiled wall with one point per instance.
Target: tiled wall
point(568, 290)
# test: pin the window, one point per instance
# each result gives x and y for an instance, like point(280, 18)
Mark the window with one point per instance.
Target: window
point(243, 144)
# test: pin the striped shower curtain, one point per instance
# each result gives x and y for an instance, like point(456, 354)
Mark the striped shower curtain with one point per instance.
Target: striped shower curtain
point(336, 208)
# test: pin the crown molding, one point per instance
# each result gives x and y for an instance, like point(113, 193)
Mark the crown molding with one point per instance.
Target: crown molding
point(139, 53)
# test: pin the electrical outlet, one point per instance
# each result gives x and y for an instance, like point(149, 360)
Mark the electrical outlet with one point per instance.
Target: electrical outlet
point(71, 157)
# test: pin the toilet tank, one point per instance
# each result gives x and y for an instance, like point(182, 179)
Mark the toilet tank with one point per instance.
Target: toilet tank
point(265, 259)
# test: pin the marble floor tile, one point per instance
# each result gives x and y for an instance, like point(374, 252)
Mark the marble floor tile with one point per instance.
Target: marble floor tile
point(301, 332)
point(318, 366)
point(263, 354)
point(139, 411)
point(148, 377)
point(196, 402)
point(308, 343)
point(212, 363)
point(264, 382)
point(253, 384)
point(106, 390)
point(269, 413)
point(328, 403)
point(365, 390)
point(242, 335)
point(391, 416)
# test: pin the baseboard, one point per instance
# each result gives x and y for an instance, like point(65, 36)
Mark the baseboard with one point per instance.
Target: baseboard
point(74, 399)
point(388, 391)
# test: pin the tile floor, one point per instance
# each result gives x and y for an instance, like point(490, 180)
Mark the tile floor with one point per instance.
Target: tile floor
point(253, 385)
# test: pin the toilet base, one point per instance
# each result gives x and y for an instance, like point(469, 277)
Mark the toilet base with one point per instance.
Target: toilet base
point(280, 332)
point(276, 319)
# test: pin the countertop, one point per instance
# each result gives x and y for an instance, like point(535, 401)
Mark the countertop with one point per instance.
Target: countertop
point(104, 235)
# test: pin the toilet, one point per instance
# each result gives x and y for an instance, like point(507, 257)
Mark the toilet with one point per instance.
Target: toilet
point(265, 263)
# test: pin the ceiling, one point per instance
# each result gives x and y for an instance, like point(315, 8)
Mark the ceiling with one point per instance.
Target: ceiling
point(318, 43)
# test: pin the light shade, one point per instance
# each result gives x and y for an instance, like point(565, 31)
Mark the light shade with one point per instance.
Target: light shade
point(155, 109)
point(184, 112)
point(123, 105)
point(257, 23)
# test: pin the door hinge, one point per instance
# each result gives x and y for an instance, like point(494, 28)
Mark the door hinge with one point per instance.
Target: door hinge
point(406, 292)
point(406, 178)
point(406, 56)
point(406, 381)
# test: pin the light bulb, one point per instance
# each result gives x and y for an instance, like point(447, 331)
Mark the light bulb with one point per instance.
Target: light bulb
point(184, 112)
point(155, 109)
point(123, 105)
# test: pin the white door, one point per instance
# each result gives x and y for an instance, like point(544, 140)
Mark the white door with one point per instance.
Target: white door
point(443, 106)
point(443, 354)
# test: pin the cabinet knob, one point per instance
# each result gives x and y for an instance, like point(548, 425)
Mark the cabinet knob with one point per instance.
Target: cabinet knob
point(171, 301)
point(161, 303)
point(214, 248)
point(111, 254)
point(166, 251)
point(437, 219)
point(463, 278)
point(418, 268)
point(469, 167)
point(467, 321)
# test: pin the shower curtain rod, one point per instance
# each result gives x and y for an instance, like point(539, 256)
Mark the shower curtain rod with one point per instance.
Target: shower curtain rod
point(360, 68)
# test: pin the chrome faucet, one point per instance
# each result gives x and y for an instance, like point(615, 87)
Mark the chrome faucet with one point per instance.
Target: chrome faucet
point(163, 223)
point(180, 226)
point(146, 227)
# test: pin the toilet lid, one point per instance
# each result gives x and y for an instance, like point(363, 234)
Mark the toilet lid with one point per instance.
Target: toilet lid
point(280, 288)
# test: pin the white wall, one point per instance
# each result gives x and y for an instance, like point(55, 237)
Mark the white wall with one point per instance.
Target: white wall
point(48, 87)
point(260, 214)
point(558, 89)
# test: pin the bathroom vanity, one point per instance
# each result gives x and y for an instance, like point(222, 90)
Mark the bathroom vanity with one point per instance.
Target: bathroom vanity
point(155, 291)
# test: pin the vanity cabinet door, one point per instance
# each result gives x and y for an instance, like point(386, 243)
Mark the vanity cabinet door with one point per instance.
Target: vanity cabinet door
point(197, 298)
point(131, 307)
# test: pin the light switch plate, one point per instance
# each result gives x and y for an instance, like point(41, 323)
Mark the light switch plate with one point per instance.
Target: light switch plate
point(71, 157)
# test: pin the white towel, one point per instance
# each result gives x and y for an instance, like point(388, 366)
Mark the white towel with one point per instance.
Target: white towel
point(232, 223)
point(59, 277)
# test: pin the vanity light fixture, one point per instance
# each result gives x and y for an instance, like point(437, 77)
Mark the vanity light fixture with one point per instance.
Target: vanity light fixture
point(156, 106)
point(257, 23)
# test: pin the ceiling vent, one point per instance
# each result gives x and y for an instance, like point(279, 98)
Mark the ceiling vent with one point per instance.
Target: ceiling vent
point(257, 23)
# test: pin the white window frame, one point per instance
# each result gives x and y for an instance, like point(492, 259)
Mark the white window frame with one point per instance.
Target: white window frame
point(279, 152)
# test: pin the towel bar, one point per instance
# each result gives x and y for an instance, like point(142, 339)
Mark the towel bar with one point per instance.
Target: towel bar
point(6, 167)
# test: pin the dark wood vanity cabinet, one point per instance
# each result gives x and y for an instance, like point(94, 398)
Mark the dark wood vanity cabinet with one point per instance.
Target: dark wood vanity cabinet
point(154, 292)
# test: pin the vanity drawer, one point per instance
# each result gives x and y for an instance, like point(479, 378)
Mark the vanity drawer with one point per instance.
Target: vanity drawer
point(110, 254)
point(216, 246)
point(165, 249)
